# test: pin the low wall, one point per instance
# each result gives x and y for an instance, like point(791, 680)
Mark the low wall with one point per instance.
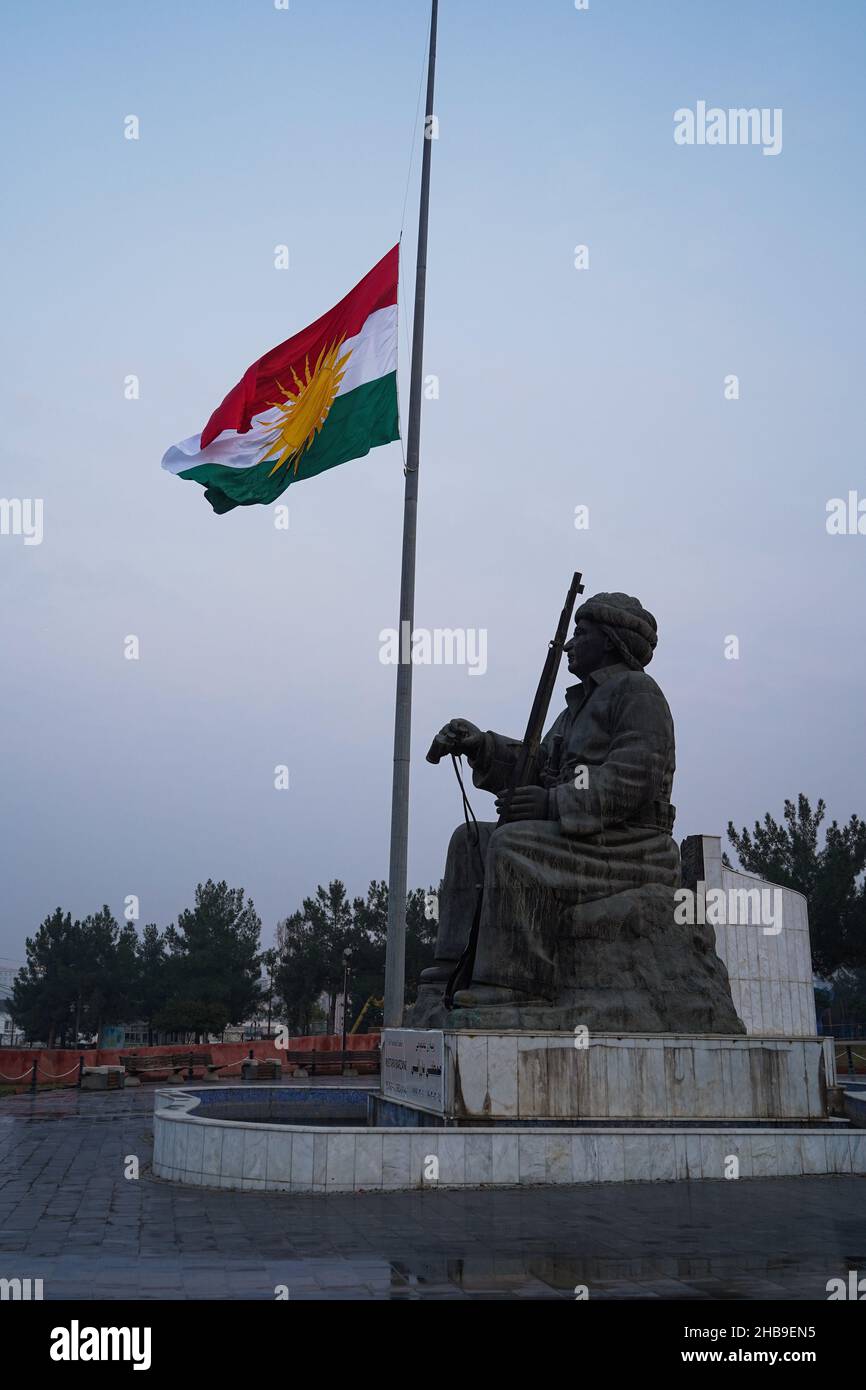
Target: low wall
point(190, 1148)
point(56, 1064)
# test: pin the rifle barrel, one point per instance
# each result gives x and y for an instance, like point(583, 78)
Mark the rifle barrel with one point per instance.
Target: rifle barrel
point(544, 693)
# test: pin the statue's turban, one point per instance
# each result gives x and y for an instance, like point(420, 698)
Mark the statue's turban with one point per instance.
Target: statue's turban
point(630, 627)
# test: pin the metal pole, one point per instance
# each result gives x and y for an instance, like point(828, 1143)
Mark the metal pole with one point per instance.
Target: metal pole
point(345, 1010)
point(395, 959)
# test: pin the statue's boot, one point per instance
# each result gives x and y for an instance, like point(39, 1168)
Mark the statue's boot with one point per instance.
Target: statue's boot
point(437, 975)
point(428, 1009)
point(431, 988)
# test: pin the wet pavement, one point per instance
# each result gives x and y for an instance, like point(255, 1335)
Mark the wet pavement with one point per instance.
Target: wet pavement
point(70, 1216)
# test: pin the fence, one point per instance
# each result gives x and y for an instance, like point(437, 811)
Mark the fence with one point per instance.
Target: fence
point(56, 1066)
point(850, 1056)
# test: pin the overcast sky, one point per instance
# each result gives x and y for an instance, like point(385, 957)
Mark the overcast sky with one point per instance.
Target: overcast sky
point(558, 387)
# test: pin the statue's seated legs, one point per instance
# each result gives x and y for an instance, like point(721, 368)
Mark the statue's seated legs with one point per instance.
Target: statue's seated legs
point(572, 930)
point(464, 870)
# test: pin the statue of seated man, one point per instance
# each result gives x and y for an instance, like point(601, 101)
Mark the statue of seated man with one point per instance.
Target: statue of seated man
point(577, 916)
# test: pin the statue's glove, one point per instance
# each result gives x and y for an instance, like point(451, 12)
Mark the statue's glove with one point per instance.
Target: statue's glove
point(525, 803)
point(459, 736)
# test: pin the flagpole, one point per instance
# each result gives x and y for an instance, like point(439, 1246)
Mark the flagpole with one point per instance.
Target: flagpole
point(395, 958)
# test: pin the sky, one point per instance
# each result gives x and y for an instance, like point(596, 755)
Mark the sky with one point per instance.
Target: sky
point(559, 387)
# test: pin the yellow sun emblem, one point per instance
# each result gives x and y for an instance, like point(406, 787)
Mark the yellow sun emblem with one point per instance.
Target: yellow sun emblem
point(305, 410)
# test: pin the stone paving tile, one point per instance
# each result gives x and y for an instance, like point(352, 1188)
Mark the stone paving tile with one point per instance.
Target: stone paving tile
point(68, 1216)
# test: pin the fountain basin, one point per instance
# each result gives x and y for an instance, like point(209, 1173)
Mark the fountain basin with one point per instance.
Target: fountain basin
point(195, 1144)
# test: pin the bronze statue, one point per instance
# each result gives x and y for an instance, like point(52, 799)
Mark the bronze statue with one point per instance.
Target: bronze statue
point(577, 918)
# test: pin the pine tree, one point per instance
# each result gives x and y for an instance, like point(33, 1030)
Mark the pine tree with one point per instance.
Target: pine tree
point(212, 971)
point(828, 875)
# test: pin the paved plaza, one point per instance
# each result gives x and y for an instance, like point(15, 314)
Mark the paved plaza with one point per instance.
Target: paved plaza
point(69, 1216)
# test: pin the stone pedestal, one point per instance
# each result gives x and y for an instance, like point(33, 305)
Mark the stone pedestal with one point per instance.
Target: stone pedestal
point(104, 1078)
point(266, 1070)
point(552, 1076)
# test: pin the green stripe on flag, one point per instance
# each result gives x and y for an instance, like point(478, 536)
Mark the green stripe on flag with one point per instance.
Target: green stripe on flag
point(357, 422)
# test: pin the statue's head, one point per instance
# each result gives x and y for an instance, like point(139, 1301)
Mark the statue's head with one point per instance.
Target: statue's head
point(611, 628)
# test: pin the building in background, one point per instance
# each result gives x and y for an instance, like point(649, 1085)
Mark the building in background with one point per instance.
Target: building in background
point(9, 1035)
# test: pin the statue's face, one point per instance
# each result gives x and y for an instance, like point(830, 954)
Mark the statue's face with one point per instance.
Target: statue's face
point(588, 649)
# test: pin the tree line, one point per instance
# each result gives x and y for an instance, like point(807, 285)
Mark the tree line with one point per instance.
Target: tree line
point(207, 970)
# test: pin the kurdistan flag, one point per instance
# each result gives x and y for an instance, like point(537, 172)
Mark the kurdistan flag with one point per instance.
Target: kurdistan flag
point(325, 396)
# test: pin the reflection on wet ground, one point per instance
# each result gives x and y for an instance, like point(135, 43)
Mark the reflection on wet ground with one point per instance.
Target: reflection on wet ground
point(68, 1215)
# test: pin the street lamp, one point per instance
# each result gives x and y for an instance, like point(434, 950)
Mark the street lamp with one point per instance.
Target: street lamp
point(346, 957)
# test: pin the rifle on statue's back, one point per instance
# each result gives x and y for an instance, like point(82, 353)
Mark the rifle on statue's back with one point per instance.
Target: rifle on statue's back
point(524, 767)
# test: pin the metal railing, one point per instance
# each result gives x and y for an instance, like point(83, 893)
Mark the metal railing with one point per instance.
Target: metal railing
point(851, 1053)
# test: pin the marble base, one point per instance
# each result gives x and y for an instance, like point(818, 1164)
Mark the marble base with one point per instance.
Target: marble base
point(303, 1159)
point(630, 1076)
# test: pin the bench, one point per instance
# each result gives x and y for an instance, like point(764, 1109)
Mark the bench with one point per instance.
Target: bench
point(171, 1062)
point(188, 1061)
point(320, 1063)
point(141, 1066)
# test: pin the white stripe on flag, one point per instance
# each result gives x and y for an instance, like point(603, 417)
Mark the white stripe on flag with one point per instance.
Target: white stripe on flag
point(374, 355)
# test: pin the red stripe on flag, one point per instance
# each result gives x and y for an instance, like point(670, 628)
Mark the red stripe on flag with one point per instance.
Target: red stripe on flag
point(256, 390)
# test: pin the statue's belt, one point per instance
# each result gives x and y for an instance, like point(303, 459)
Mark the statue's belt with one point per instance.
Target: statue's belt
point(653, 815)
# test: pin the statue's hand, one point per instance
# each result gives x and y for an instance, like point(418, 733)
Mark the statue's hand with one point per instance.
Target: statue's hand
point(524, 803)
point(457, 736)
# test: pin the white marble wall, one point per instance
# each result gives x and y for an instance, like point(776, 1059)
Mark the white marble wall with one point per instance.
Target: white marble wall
point(222, 1153)
point(770, 974)
point(636, 1076)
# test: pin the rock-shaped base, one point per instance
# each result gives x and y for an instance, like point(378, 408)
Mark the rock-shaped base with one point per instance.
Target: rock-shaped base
point(623, 964)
